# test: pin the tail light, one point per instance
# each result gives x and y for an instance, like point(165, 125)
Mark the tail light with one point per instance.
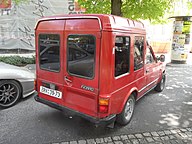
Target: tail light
point(103, 105)
point(35, 84)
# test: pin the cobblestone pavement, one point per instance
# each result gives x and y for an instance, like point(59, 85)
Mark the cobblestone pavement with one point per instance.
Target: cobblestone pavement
point(174, 136)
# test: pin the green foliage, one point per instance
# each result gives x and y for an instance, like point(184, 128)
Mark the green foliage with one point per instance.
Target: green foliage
point(17, 60)
point(96, 6)
point(17, 1)
point(153, 10)
point(189, 4)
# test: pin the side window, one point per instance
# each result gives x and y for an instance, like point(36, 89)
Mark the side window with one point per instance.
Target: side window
point(49, 52)
point(149, 56)
point(138, 52)
point(81, 55)
point(122, 54)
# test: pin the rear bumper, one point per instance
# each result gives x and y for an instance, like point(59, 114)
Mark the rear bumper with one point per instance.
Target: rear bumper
point(97, 121)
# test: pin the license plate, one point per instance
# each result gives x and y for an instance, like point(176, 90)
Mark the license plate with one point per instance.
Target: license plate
point(51, 92)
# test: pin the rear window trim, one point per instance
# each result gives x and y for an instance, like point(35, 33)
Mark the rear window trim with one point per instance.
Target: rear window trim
point(129, 52)
point(59, 52)
point(79, 76)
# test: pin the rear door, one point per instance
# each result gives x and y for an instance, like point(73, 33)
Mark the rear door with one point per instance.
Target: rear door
point(49, 53)
point(81, 67)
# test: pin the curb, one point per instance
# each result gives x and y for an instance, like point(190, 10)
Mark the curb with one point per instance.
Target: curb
point(174, 136)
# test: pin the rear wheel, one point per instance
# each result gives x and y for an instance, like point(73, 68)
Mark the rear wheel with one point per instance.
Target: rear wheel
point(125, 116)
point(161, 85)
point(10, 92)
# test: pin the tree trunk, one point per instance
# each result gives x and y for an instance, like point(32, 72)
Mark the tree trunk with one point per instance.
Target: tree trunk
point(116, 7)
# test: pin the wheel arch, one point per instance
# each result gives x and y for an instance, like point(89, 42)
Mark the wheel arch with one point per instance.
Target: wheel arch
point(134, 92)
point(15, 81)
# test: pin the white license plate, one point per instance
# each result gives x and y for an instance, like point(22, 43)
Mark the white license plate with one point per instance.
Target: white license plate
point(51, 92)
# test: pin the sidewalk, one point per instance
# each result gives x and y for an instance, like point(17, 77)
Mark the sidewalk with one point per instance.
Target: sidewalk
point(168, 60)
point(175, 136)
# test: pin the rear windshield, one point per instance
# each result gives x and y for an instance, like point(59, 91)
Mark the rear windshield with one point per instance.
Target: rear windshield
point(81, 55)
point(49, 49)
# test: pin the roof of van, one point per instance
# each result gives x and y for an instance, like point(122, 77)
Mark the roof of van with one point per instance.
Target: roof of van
point(106, 21)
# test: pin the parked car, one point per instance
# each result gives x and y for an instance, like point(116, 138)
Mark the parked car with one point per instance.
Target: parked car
point(15, 83)
point(104, 66)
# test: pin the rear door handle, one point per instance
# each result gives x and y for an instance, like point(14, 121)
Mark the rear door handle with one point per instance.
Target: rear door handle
point(147, 71)
point(67, 80)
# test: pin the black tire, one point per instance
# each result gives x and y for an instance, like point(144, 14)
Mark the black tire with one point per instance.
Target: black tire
point(125, 116)
point(10, 93)
point(161, 85)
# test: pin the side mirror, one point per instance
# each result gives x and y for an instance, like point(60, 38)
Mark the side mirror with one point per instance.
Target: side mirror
point(161, 58)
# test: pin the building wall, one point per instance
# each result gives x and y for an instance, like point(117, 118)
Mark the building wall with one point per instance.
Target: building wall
point(17, 22)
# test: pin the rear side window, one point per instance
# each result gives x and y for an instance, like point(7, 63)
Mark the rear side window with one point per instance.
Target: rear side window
point(122, 54)
point(49, 52)
point(81, 55)
point(138, 52)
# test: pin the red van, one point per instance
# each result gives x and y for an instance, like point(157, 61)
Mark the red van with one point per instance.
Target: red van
point(95, 65)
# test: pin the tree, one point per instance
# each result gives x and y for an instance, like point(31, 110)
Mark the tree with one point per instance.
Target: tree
point(153, 10)
point(14, 1)
point(19, 1)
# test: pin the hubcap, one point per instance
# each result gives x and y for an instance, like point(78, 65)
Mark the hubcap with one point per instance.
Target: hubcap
point(129, 109)
point(162, 83)
point(8, 94)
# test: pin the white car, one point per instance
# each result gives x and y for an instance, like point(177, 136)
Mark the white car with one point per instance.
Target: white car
point(15, 83)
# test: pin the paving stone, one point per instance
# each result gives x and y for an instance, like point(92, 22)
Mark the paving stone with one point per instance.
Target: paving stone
point(179, 141)
point(147, 134)
point(166, 142)
point(109, 143)
point(127, 141)
point(142, 141)
point(167, 132)
point(149, 139)
point(118, 142)
point(82, 142)
point(183, 135)
point(64, 143)
point(154, 134)
point(156, 143)
point(134, 141)
point(171, 137)
point(186, 141)
point(189, 134)
point(91, 141)
point(173, 131)
point(107, 139)
point(138, 136)
point(73, 142)
point(183, 130)
point(189, 129)
point(131, 136)
point(178, 136)
point(173, 142)
point(116, 138)
point(124, 137)
point(158, 139)
point(165, 138)
point(161, 133)
point(99, 140)
point(177, 130)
